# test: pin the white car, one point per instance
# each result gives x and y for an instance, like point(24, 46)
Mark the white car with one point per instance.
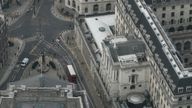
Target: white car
point(24, 62)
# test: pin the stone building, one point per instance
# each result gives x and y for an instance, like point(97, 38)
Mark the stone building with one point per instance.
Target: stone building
point(42, 92)
point(118, 64)
point(91, 7)
point(169, 82)
point(123, 67)
point(3, 42)
point(175, 16)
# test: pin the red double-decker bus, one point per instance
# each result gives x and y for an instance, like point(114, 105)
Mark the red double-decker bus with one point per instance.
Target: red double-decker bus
point(71, 74)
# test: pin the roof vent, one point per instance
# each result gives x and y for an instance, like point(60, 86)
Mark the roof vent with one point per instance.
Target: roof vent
point(101, 29)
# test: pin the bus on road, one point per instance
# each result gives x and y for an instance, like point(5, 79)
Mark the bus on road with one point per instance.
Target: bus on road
point(71, 74)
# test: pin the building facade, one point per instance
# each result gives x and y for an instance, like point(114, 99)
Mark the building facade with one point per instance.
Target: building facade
point(91, 7)
point(169, 82)
point(176, 18)
point(124, 72)
point(3, 42)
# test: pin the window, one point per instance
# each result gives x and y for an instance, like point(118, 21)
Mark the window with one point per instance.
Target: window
point(173, 7)
point(163, 15)
point(180, 90)
point(172, 14)
point(190, 5)
point(133, 70)
point(132, 87)
point(188, 98)
point(78, 8)
point(181, 13)
point(182, 6)
point(188, 106)
point(124, 87)
point(181, 20)
point(69, 2)
point(163, 22)
point(190, 12)
point(95, 8)
point(73, 4)
point(108, 7)
point(172, 21)
point(187, 45)
point(86, 0)
point(190, 19)
point(154, 9)
point(86, 10)
point(186, 60)
point(180, 99)
point(164, 8)
point(188, 89)
point(133, 79)
point(172, 29)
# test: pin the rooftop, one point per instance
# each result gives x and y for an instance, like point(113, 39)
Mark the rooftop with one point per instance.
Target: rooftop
point(100, 27)
point(40, 92)
point(122, 49)
point(162, 48)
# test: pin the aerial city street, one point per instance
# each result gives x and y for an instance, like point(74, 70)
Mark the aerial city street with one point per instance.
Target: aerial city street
point(95, 54)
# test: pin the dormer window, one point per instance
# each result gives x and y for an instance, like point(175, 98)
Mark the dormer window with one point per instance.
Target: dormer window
point(180, 90)
point(188, 89)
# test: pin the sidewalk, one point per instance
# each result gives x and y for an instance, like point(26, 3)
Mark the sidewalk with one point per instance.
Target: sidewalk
point(85, 71)
point(55, 12)
point(15, 12)
point(14, 53)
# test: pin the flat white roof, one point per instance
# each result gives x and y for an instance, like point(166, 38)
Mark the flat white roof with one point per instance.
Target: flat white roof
point(99, 27)
point(71, 69)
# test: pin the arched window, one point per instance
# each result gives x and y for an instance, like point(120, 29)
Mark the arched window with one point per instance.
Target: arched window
point(180, 28)
point(108, 6)
point(187, 45)
point(172, 29)
point(178, 46)
point(189, 27)
point(95, 8)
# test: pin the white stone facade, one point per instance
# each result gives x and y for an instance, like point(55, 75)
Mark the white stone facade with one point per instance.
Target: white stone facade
point(123, 78)
point(90, 7)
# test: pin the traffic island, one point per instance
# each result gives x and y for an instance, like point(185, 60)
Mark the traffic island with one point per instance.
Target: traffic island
point(45, 64)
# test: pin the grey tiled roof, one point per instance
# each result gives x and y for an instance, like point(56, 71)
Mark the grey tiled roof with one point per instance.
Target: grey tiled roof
point(178, 82)
point(126, 48)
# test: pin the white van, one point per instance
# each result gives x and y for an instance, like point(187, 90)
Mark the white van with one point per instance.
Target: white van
point(24, 62)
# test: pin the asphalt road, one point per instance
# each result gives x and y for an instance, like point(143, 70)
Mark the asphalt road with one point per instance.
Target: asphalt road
point(39, 34)
point(38, 31)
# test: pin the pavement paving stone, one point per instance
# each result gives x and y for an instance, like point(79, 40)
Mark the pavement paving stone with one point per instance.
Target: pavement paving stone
point(14, 53)
point(15, 12)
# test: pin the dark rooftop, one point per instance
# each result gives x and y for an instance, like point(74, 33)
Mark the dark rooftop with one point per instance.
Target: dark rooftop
point(126, 48)
point(173, 75)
